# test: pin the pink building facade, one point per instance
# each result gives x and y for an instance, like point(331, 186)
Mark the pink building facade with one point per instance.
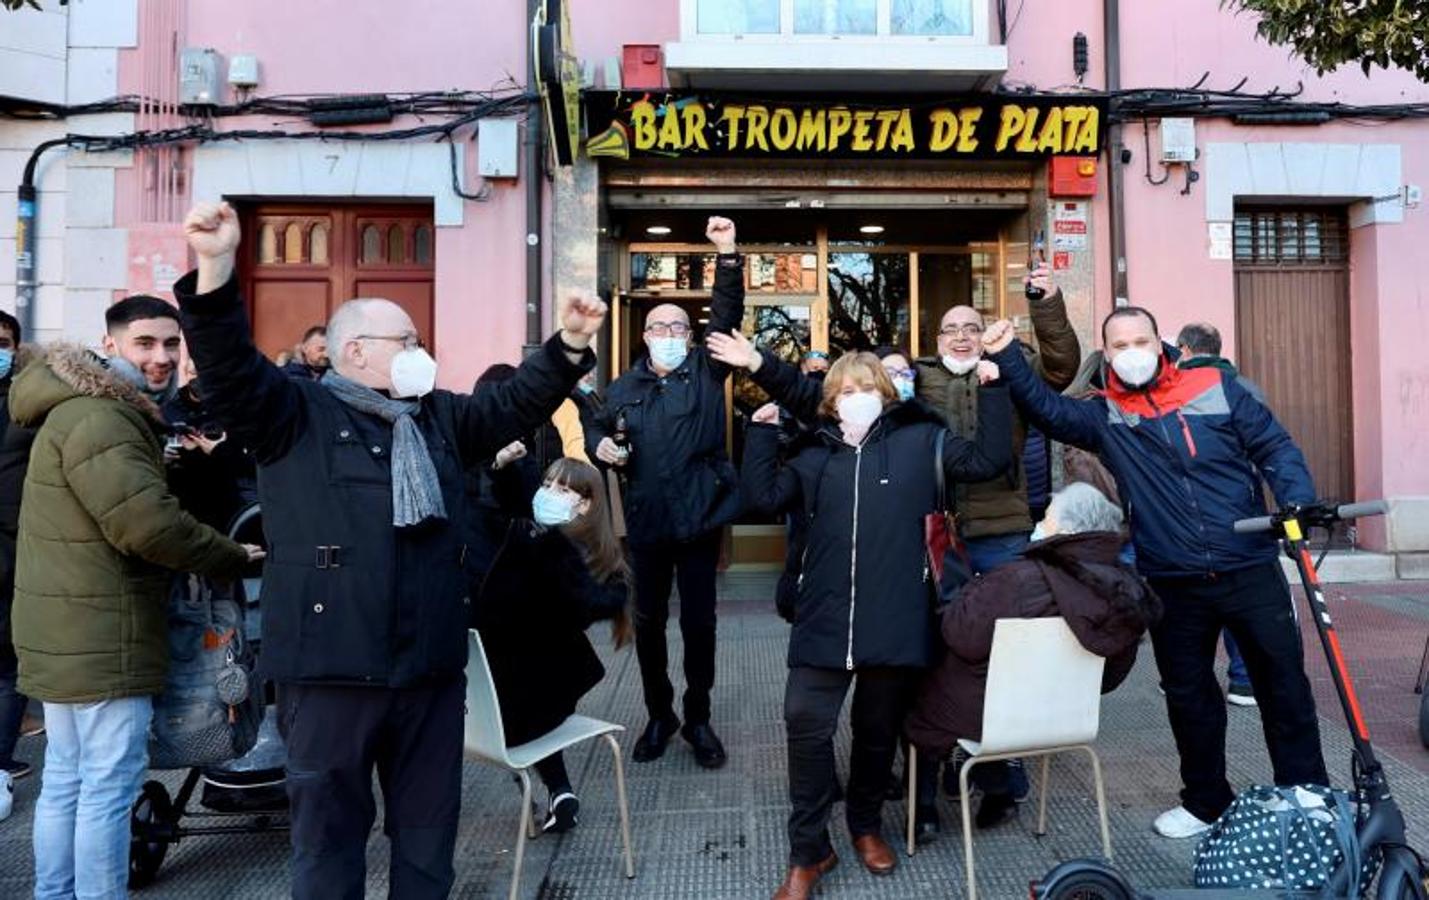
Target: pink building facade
point(1298, 241)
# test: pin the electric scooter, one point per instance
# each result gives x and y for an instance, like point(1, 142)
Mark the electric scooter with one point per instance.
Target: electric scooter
point(1380, 824)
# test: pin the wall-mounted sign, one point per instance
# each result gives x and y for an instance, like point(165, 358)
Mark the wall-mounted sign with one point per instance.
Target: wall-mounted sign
point(631, 125)
point(560, 77)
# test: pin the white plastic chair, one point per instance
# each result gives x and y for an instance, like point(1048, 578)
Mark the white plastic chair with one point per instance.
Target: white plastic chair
point(1043, 697)
point(486, 741)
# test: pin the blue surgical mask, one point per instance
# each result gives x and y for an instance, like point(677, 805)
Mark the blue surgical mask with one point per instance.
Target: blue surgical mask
point(669, 352)
point(585, 387)
point(904, 386)
point(7, 359)
point(552, 508)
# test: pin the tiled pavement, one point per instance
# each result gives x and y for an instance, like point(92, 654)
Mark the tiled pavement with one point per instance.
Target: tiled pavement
point(721, 835)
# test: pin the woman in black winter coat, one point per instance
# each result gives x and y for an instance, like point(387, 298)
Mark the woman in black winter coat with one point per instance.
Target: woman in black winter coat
point(865, 598)
point(559, 569)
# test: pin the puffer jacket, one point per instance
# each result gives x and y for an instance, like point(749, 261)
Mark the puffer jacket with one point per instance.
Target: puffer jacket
point(1074, 576)
point(99, 535)
point(999, 506)
point(864, 596)
point(1187, 451)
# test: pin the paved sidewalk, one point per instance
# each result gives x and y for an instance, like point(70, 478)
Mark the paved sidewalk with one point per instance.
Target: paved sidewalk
point(721, 835)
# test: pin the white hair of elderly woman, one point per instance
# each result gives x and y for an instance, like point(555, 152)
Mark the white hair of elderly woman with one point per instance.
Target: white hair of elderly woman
point(1079, 507)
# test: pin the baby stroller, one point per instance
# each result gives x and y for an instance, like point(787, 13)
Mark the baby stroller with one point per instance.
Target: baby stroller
point(245, 795)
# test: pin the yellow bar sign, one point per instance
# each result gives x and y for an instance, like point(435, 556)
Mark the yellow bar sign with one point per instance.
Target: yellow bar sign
point(997, 127)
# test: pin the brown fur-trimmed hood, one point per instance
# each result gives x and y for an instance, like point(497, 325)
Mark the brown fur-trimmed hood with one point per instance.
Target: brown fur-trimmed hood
point(60, 372)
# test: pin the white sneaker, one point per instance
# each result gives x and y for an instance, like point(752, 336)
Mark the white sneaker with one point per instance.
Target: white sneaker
point(7, 795)
point(1240, 696)
point(1179, 823)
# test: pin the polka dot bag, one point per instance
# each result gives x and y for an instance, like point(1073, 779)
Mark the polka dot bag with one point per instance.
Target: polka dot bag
point(1289, 838)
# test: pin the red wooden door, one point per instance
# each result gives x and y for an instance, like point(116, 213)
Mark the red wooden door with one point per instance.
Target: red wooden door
point(304, 260)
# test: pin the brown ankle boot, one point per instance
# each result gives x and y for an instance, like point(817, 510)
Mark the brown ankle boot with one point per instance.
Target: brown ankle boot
point(799, 884)
point(877, 856)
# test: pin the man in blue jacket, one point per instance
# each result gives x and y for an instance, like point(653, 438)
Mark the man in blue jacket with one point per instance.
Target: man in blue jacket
point(1185, 446)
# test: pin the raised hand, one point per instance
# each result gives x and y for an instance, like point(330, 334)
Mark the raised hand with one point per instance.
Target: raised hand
point(1040, 277)
point(212, 230)
point(581, 316)
point(734, 349)
point(998, 336)
point(720, 231)
point(987, 371)
point(768, 414)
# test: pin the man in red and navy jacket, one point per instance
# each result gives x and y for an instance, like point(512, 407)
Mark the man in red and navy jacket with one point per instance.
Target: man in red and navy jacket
point(1188, 448)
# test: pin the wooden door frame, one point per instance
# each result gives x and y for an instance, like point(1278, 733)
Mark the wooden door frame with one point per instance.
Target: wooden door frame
point(343, 270)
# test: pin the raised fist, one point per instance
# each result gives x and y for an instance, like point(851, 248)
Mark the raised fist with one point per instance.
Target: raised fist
point(582, 314)
point(212, 230)
point(720, 231)
point(998, 336)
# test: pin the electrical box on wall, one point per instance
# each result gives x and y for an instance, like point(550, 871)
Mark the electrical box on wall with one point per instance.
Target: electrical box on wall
point(200, 76)
point(497, 145)
point(1072, 176)
point(243, 71)
point(1178, 140)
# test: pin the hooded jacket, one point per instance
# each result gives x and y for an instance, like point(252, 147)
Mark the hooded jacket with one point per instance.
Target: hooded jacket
point(99, 535)
point(999, 506)
point(1074, 576)
point(1188, 452)
point(865, 597)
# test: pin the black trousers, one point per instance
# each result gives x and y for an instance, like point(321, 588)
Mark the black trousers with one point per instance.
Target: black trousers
point(336, 735)
point(692, 565)
point(812, 702)
point(1255, 606)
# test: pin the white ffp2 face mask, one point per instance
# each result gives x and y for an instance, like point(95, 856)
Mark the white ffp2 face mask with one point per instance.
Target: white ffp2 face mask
point(960, 366)
point(1135, 366)
point(860, 410)
point(414, 373)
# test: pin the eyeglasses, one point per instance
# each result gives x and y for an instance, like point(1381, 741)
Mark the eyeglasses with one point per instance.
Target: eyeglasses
point(960, 330)
point(901, 373)
point(409, 341)
point(668, 329)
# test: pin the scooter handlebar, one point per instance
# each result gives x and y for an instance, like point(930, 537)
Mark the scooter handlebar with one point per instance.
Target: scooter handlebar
point(1254, 526)
point(1315, 515)
point(1367, 508)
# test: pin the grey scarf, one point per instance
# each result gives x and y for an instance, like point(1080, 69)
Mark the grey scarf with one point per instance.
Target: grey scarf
point(416, 492)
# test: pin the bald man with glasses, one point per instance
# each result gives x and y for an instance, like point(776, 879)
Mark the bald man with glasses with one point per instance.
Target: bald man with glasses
point(663, 429)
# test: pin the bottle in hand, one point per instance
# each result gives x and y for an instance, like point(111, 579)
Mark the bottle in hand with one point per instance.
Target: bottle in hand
point(1039, 257)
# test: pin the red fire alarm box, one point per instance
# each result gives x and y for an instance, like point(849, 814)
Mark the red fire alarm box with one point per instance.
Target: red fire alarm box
point(1072, 176)
point(643, 66)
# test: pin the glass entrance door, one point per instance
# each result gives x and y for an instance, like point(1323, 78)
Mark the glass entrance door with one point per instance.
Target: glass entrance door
point(825, 289)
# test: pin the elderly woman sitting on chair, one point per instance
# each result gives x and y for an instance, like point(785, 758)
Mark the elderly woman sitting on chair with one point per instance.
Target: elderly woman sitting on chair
point(1070, 570)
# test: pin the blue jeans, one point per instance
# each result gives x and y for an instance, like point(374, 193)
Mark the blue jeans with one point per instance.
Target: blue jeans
point(987, 553)
point(1236, 672)
point(12, 705)
point(95, 761)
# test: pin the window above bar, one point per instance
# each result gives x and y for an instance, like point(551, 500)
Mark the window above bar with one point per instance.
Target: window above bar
point(866, 45)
